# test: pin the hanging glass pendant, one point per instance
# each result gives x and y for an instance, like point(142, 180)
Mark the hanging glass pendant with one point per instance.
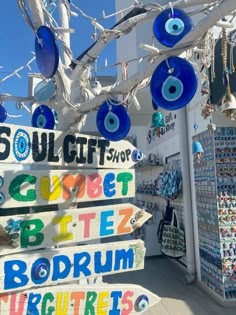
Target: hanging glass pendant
point(173, 83)
point(46, 51)
point(43, 117)
point(229, 106)
point(44, 91)
point(197, 150)
point(3, 113)
point(157, 120)
point(113, 121)
point(171, 25)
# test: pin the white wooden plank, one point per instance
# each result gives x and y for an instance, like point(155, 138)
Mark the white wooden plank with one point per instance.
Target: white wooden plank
point(80, 300)
point(50, 267)
point(20, 144)
point(46, 229)
point(37, 188)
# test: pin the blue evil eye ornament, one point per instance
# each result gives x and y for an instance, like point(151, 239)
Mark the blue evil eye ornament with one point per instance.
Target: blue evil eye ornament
point(46, 51)
point(142, 303)
point(173, 83)
point(21, 145)
point(43, 117)
point(137, 155)
point(113, 121)
point(171, 25)
point(40, 270)
point(3, 114)
point(44, 91)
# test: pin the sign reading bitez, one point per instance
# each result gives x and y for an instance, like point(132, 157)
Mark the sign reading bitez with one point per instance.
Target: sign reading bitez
point(53, 266)
point(112, 299)
point(46, 229)
point(26, 145)
point(37, 188)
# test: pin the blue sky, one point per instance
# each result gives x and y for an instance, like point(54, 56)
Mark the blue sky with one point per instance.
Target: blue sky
point(17, 42)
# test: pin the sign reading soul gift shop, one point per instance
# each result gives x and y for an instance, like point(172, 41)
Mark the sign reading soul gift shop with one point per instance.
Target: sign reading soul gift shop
point(39, 277)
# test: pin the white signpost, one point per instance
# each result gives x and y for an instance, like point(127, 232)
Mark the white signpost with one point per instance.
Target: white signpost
point(53, 266)
point(46, 229)
point(37, 274)
point(26, 145)
point(79, 300)
point(38, 188)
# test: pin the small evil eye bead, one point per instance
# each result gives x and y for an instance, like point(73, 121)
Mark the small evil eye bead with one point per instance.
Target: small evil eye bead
point(142, 303)
point(171, 25)
point(137, 155)
point(2, 198)
point(40, 270)
point(133, 221)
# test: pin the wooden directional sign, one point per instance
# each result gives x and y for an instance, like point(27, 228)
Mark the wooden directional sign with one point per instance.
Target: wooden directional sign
point(49, 147)
point(80, 300)
point(37, 188)
point(40, 230)
point(53, 266)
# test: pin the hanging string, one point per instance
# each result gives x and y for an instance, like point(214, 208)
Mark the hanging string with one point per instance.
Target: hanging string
point(225, 68)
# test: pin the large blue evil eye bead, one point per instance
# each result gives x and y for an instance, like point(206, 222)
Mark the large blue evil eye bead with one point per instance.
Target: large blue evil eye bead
point(43, 117)
point(142, 303)
point(173, 83)
point(171, 25)
point(113, 121)
point(3, 114)
point(46, 51)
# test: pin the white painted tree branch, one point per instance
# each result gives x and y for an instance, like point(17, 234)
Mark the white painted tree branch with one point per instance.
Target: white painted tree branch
point(75, 96)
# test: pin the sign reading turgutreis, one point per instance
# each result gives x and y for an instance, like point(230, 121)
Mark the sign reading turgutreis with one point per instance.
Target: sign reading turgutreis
point(44, 255)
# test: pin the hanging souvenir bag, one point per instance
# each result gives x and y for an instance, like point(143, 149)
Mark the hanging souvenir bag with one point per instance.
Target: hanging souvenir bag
point(173, 240)
point(166, 220)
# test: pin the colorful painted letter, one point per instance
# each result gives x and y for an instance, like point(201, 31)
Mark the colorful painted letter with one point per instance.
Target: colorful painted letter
point(53, 266)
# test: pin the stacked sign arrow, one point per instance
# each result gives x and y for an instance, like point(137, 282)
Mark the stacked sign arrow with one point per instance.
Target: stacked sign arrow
point(36, 263)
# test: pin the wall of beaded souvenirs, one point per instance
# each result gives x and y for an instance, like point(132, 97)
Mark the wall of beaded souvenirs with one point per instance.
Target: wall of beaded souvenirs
point(215, 190)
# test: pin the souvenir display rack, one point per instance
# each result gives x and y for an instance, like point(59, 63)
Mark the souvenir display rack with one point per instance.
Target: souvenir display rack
point(177, 203)
point(215, 188)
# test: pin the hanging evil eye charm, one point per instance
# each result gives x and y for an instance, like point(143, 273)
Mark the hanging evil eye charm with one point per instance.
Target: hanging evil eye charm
point(142, 303)
point(43, 117)
point(3, 114)
point(46, 51)
point(113, 121)
point(137, 155)
point(1, 181)
point(40, 270)
point(171, 25)
point(173, 83)
point(44, 91)
point(21, 145)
